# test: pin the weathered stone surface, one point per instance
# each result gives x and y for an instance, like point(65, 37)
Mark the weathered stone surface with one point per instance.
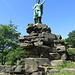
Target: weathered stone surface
point(2, 68)
point(39, 61)
point(53, 50)
point(47, 35)
point(29, 28)
point(52, 71)
point(37, 28)
point(54, 55)
point(57, 62)
point(5, 74)
point(44, 68)
point(25, 44)
point(2, 74)
point(63, 56)
point(37, 39)
point(46, 48)
point(19, 69)
point(21, 61)
point(31, 67)
point(68, 70)
point(46, 30)
point(33, 34)
point(8, 69)
point(20, 74)
point(38, 73)
point(31, 64)
point(35, 73)
point(61, 48)
point(21, 38)
point(59, 41)
point(40, 42)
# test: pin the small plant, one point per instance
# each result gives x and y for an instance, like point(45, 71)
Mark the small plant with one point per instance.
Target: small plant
point(13, 74)
point(58, 38)
point(42, 27)
point(2, 71)
point(48, 69)
point(8, 63)
point(22, 63)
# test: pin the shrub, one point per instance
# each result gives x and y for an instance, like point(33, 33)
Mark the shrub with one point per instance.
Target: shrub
point(70, 52)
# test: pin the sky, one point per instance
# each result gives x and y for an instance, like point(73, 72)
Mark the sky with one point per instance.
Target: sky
point(59, 15)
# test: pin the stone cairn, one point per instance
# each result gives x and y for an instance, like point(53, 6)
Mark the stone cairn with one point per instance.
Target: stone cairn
point(44, 51)
point(41, 43)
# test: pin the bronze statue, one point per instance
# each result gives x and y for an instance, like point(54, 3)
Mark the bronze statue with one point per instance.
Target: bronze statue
point(38, 11)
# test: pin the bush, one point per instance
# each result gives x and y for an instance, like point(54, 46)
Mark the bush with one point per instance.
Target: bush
point(58, 38)
point(70, 52)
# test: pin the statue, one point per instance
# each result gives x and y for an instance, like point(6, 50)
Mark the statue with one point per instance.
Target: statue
point(38, 11)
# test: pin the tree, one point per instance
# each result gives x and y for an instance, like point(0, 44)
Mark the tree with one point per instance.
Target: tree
point(71, 39)
point(8, 40)
point(17, 54)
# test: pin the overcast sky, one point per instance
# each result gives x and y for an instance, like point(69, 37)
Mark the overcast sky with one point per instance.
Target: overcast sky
point(59, 15)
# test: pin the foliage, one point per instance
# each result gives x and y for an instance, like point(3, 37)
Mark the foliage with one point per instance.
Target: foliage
point(58, 38)
point(70, 52)
point(42, 27)
point(22, 63)
point(65, 41)
point(17, 54)
point(9, 49)
point(71, 39)
point(66, 65)
point(64, 73)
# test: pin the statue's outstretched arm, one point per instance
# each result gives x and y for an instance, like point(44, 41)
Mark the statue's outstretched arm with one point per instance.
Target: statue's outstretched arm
point(33, 7)
point(43, 2)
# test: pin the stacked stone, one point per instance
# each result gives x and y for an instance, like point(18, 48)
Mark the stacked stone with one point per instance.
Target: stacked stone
point(44, 51)
point(42, 43)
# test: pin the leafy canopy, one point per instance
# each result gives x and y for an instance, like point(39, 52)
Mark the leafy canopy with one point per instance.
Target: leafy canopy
point(8, 43)
point(71, 38)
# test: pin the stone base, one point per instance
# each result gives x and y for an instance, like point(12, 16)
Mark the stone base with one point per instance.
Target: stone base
point(42, 43)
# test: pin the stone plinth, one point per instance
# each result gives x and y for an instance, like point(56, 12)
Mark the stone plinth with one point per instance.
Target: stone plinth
point(42, 43)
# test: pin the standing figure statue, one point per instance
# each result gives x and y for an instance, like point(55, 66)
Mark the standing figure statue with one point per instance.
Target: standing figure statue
point(38, 11)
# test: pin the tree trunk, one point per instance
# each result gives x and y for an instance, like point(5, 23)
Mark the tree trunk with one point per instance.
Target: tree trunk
point(2, 61)
point(2, 57)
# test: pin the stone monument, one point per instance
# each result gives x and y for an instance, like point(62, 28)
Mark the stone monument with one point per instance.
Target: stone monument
point(41, 42)
point(44, 49)
point(41, 45)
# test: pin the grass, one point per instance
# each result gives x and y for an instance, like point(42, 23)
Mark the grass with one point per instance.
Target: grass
point(66, 65)
point(64, 73)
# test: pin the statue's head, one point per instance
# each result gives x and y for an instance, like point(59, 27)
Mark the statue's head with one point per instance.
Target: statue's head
point(38, 1)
